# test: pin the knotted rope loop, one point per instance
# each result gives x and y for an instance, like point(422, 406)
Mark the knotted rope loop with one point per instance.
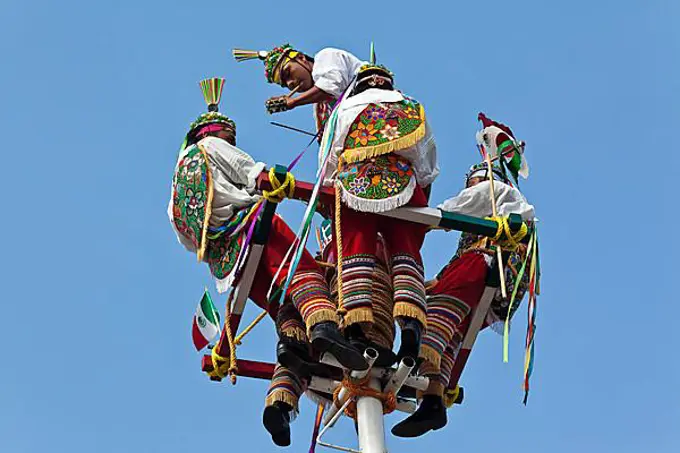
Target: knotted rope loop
point(280, 190)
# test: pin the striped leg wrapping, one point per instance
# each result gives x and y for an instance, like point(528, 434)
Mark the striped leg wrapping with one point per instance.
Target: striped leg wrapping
point(448, 359)
point(309, 292)
point(408, 281)
point(444, 316)
point(289, 323)
point(285, 387)
point(383, 306)
point(357, 283)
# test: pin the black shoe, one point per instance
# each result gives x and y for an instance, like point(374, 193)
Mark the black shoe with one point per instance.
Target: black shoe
point(296, 357)
point(431, 415)
point(276, 420)
point(327, 338)
point(356, 336)
point(411, 333)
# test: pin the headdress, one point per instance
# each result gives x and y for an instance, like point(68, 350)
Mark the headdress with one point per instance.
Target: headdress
point(274, 60)
point(373, 75)
point(499, 142)
point(212, 93)
point(481, 170)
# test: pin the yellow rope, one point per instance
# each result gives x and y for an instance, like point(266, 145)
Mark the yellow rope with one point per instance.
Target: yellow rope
point(219, 371)
point(361, 388)
point(226, 368)
point(200, 253)
point(510, 241)
point(338, 242)
point(252, 325)
point(280, 190)
point(233, 368)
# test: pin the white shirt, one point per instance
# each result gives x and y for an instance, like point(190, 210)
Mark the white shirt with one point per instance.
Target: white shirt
point(423, 155)
point(476, 201)
point(334, 70)
point(234, 175)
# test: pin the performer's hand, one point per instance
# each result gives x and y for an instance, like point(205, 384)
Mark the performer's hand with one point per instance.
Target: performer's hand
point(277, 104)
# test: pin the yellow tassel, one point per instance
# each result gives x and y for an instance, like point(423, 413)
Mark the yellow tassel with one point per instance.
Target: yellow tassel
point(295, 333)
point(408, 310)
point(432, 356)
point(282, 396)
point(321, 315)
point(366, 152)
point(208, 207)
point(363, 314)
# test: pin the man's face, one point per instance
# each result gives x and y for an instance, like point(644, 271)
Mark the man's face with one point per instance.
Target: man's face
point(297, 72)
point(474, 181)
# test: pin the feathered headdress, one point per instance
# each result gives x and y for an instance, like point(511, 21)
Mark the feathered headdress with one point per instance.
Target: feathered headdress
point(499, 142)
point(274, 60)
point(212, 94)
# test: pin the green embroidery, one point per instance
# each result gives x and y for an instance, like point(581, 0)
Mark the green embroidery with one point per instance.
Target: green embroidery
point(382, 123)
point(376, 178)
point(190, 195)
point(222, 254)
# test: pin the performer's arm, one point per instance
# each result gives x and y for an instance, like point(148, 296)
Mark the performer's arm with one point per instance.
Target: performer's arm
point(311, 96)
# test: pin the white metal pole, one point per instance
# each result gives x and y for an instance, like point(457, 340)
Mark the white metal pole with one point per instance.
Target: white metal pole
point(370, 355)
point(399, 377)
point(370, 422)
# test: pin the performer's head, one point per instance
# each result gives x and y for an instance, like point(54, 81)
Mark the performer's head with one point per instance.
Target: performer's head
point(480, 173)
point(373, 76)
point(213, 123)
point(283, 66)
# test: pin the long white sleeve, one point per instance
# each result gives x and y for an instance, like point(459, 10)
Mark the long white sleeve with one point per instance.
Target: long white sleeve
point(334, 70)
point(476, 201)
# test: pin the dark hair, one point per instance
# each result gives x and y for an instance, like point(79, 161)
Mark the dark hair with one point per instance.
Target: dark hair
point(364, 81)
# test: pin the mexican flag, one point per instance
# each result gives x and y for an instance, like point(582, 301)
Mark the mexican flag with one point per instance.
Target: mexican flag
point(206, 322)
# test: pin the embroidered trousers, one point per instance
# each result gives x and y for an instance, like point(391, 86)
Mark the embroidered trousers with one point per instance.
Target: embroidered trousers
point(308, 290)
point(381, 330)
point(403, 240)
point(286, 386)
point(449, 303)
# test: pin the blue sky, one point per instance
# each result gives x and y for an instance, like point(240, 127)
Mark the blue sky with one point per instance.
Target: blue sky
point(97, 295)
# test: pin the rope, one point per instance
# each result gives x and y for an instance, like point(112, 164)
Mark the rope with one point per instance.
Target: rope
point(250, 327)
point(219, 370)
point(510, 241)
point(233, 368)
point(361, 388)
point(280, 190)
point(342, 311)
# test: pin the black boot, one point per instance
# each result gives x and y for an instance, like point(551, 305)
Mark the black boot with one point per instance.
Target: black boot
point(431, 415)
point(356, 336)
point(276, 420)
point(411, 333)
point(327, 338)
point(296, 356)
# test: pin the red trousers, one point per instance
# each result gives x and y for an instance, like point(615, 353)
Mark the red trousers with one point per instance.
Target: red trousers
point(308, 289)
point(403, 241)
point(449, 303)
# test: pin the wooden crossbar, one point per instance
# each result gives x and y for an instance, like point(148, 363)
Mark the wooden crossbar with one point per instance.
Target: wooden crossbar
point(428, 216)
